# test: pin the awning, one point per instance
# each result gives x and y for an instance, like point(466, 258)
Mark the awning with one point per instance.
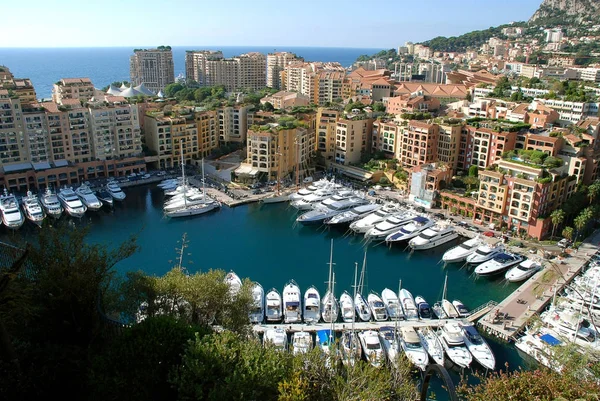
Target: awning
point(41, 166)
point(61, 163)
point(288, 304)
point(550, 339)
point(358, 175)
point(11, 168)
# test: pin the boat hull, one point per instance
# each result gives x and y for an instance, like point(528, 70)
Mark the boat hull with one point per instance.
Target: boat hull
point(433, 244)
point(275, 199)
point(193, 210)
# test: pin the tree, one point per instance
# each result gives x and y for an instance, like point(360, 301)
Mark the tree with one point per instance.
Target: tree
point(473, 171)
point(268, 106)
point(593, 191)
point(379, 106)
point(582, 220)
point(567, 233)
point(557, 217)
point(470, 181)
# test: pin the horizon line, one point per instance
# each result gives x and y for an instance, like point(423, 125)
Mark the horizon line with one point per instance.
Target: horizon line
point(192, 46)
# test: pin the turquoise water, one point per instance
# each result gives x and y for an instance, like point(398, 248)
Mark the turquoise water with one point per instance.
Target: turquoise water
point(261, 242)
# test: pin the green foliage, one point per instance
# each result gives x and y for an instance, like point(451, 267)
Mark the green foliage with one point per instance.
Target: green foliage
point(384, 181)
point(567, 232)
point(379, 107)
point(268, 106)
point(473, 171)
point(502, 88)
point(401, 175)
point(463, 42)
point(354, 105)
point(415, 116)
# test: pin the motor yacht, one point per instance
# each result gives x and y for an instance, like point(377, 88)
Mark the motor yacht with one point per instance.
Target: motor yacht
point(273, 306)
point(423, 307)
point(523, 270)
point(11, 212)
point(315, 186)
point(432, 344)
point(498, 264)
point(454, 344)
point(329, 307)
point(483, 253)
point(309, 201)
point(371, 346)
point(105, 197)
point(276, 338)
point(257, 312)
point(353, 214)
point(408, 305)
point(71, 202)
point(377, 306)
point(350, 348)
point(362, 308)
point(234, 282)
point(412, 347)
point(292, 308)
point(460, 252)
point(445, 310)
point(312, 305)
point(181, 189)
point(390, 225)
point(410, 230)
point(326, 211)
point(570, 325)
point(115, 191)
point(347, 307)
point(432, 237)
point(51, 204)
point(460, 308)
point(33, 209)
point(477, 346)
point(165, 183)
point(392, 304)
point(367, 222)
point(88, 198)
point(540, 344)
point(389, 342)
point(302, 342)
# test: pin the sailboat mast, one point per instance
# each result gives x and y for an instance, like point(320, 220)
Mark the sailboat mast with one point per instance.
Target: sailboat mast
point(332, 306)
point(203, 186)
point(278, 169)
point(298, 165)
point(354, 296)
point(183, 173)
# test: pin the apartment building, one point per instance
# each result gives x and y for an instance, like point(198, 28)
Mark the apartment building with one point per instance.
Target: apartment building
point(233, 124)
point(425, 181)
point(222, 72)
point(252, 73)
point(321, 82)
point(485, 146)
point(352, 138)
point(286, 100)
point(207, 123)
point(81, 89)
point(448, 144)
point(411, 104)
point(12, 140)
point(196, 65)
point(331, 86)
point(419, 143)
point(115, 131)
point(152, 67)
point(209, 68)
point(22, 88)
point(36, 132)
point(276, 63)
point(325, 132)
point(386, 137)
point(571, 112)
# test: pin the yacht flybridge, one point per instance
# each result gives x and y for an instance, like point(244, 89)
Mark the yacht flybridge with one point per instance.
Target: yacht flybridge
point(71, 202)
point(88, 198)
point(51, 204)
point(410, 230)
point(432, 237)
point(115, 190)
point(483, 253)
point(390, 225)
point(498, 264)
point(33, 209)
point(11, 213)
point(460, 252)
point(367, 222)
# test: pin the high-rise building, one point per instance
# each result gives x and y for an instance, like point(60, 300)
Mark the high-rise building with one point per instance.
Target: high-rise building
point(195, 64)
point(12, 140)
point(81, 89)
point(419, 144)
point(209, 68)
point(152, 67)
point(321, 82)
point(276, 63)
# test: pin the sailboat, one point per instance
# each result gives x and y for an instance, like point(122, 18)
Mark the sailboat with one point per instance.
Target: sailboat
point(350, 347)
point(445, 309)
point(360, 304)
point(277, 197)
point(329, 306)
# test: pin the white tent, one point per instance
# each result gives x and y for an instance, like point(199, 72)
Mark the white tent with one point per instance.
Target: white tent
point(113, 91)
point(130, 92)
point(143, 90)
point(160, 94)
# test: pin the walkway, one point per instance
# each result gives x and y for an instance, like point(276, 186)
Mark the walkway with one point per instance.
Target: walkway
point(512, 314)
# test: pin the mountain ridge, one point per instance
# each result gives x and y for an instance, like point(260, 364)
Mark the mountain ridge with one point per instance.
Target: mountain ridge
point(572, 11)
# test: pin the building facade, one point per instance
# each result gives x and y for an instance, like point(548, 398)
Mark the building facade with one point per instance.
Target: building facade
point(276, 63)
point(152, 67)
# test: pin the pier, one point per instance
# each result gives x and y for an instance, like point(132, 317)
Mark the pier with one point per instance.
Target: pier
point(511, 315)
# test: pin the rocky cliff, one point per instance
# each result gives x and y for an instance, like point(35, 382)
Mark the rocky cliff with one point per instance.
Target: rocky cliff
point(571, 11)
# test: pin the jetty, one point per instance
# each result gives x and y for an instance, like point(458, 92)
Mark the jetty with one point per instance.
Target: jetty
point(509, 317)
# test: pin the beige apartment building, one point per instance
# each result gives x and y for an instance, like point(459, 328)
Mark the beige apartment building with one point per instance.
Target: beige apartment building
point(23, 89)
point(233, 124)
point(276, 63)
point(244, 72)
point(321, 82)
point(115, 131)
point(419, 144)
point(35, 124)
point(12, 141)
point(152, 67)
point(196, 64)
point(252, 73)
point(81, 89)
point(325, 132)
point(448, 143)
point(352, 137)
point(385, 137)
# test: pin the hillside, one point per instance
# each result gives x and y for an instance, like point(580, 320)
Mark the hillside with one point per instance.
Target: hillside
point(472, 39)
point(557, 12)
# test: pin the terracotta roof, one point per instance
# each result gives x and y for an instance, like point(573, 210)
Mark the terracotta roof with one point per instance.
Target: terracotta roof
point(572, 139)
point(51, 107)
point(417, 123)
point(431, 89)
point(115, 99)
point(76, 81)
point(520, 109)
point(545, 138)
point(587, 122)
point(71, 102)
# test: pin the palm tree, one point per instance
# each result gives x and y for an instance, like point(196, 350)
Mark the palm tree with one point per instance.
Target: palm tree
point(557, 217)
point(567, 232)
point(593, 191)
point(582, 220)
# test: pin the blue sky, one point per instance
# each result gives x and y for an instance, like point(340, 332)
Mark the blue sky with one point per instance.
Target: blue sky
point(326, 23)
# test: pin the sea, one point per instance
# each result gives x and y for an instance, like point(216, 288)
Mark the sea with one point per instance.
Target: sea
point(104, 65)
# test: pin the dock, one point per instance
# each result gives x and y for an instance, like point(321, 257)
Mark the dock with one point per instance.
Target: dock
point(358, 326)
point(509, 317)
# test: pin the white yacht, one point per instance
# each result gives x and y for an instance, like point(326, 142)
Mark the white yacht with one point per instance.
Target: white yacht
point(461, 309)
point(312, 305)
point(347, 307)
point(408, 304)
point(454, 344)
point(353, 214)
point(477, 346)
point(367, 222)
point(292, 308)
point(390, 225)
point(273, 306)
point(432, 344)
point(105, 197)
point(362, 308)
point(33, 209)
point(498, 264)
point(302, 342)
point(11, 212)
point(460, 252)
point(523, 270)
point(257, 312)
point(350, 348)
point(165, 184)
point(445, 310)
point(325, 341)
point(432, 237)
point(115, 190)
point(234, 282)
point(276, 338)
point(377, 307)
point(51, 204)
point(324, 212)
point(309, 201)
point(410, 230)
point(315, 186)
point(191, 199)
point(571, 326)
point(423, 307)
point(390, 344)
point(392, 304)
point(194, 210)
point(414, 350)
point(483, 253)
point(88, 198)
point(329, 307)
point(71, 202)
point(539, 345)
point(372, 347)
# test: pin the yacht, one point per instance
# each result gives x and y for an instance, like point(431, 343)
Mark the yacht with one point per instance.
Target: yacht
point(11, 212)
point(312, 305)
point(539, 345)
point(460, 308)
point(234, 282)
point(191, 199)
point(367, 222)
point(325, 341)
point(454, 344)
point(371, 345)
point(460, 252)
point(51, 204)
point(390, 344)
point(329, 307)
point(273, 306)
point(115, 191)
point(181, 189)
point(88, 198)
point(353, 214)
point(71, 202)
point(410, 230)
point(362, 308)
point(347, 307)
point(292, 308)
point(33, 209)
point(302, 342)
point(483, 253)
point(445, 310)
point(276, 338)
point(303, 192)
point(392, 304)
point(194, 210)
point(350, 348)
point(105, 197)
point(423, 308)
point(171, 182)
point(390, 225)
point(377, 307)
point(408, 304)
point(432, 344)
point(414, 350)
point(324, 212)
point(432, 237)
point(309, 201)
point(570, 325)
point(523, 270)
point(477, 346)
point(498, 264)
point(257, 312)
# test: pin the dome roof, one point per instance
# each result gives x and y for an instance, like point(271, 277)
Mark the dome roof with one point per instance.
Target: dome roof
point(113, 91)
point(130, 92)
point(143, 90)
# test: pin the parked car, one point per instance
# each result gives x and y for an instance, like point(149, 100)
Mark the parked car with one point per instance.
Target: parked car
point(473, 228)
point(563, 243)
point(439, 215)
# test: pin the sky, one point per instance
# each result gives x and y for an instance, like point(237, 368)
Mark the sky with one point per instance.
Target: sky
point(323, 23)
